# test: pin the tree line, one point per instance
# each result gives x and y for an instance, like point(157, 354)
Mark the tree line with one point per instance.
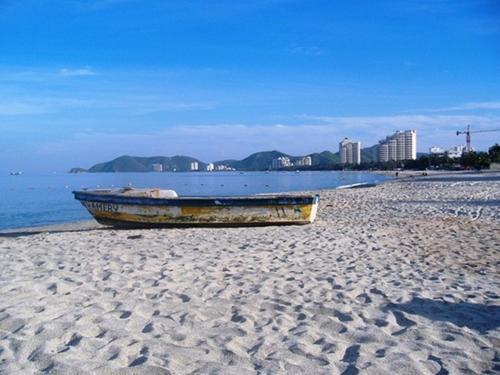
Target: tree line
point(468, 160)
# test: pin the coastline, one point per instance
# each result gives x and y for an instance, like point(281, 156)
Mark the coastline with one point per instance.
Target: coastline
point(404, 176)
point(398, 276)
point(46, 200)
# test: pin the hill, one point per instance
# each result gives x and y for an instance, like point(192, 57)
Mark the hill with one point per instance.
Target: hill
point(259, 161)
point(128, 163)
point(78, 170)
point(325, 158)
point(369, 154)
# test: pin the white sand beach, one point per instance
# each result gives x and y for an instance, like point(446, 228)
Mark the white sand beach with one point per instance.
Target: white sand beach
point(402, 278)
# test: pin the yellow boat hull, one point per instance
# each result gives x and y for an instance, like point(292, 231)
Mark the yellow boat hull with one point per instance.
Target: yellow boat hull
point(274, 210)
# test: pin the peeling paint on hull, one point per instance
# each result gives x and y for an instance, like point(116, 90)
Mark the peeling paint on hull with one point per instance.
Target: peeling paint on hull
point(122, 211)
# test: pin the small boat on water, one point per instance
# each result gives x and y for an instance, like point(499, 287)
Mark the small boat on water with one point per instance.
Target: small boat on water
point(140, 208)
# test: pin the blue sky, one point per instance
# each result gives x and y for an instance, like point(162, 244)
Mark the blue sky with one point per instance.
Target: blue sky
point(86, 81)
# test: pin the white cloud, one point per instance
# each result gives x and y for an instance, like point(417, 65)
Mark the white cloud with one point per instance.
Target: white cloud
point(235, 141)
point(65, 72)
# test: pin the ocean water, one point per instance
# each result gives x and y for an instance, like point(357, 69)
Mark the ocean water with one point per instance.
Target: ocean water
point(32, 200)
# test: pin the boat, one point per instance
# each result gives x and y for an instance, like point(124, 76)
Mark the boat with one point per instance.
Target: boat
point(18, 173)
point(145, 208)
point(357, 186)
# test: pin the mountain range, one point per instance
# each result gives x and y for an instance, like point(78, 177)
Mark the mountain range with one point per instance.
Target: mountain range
point(258, 161)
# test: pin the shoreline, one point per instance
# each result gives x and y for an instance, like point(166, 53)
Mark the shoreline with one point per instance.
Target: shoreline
point(406, 176)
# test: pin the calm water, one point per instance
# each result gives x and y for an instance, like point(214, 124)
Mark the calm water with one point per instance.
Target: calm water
point(31, 200)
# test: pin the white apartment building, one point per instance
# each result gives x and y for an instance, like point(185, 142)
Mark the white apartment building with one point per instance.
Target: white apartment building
point(454, 152)
point(306, 161)
point(157, 167)
point(350, 151)
point(402, 145)
point(194, 166)
point(281, 162)
point(210, 167)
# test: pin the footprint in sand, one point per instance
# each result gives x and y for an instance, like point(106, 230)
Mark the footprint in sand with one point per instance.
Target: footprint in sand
point(326, 347)
point(351, 356)
point(53, 288)
point(402, 321)
point(442, 370)
point(381, 323)
point(138, 361)
point(148, 328)
point(74, 340)
point(342, 317)
point(301, 316)
point(126, 314)
point(237, 318)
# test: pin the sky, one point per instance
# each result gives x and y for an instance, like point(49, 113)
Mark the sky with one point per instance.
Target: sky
point(85, 81)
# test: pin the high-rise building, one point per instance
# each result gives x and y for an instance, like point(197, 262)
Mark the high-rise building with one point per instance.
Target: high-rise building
point(210, 167)
point(350, 151)
point(281, 162)
point(402, 145)
point(194, 166)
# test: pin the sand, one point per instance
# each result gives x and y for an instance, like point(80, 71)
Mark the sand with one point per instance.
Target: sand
point(400, 278)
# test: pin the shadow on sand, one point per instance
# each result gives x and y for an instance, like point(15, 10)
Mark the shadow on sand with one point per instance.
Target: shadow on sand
point(479, 317)
point(24, 233)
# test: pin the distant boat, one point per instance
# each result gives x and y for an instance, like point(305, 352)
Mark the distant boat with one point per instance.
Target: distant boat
point(18, 173)
point(357, 186)
point(140, 208)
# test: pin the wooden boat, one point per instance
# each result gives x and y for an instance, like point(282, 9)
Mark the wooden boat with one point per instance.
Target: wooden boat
point(163, 208)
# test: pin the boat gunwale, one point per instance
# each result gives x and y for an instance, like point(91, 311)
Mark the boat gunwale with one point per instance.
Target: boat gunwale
point(255, 200)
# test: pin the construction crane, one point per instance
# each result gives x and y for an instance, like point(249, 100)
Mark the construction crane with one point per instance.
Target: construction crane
point(468, 133)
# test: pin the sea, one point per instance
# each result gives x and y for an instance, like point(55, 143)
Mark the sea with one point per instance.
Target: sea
point(29, 200)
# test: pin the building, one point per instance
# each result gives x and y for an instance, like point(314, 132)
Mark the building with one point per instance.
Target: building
point(455, 152)
point(194, 166)
point(435, 150)
point(350, 151)
point(157, 167)
point(306, 161)
point(402, 145)
point(222, 167)
point(281, 162)
point(210, 167)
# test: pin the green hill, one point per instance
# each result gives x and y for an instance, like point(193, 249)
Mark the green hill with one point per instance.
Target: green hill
point(325, 158)
point(259, 161)
point(369, 154)
point(145, 164)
